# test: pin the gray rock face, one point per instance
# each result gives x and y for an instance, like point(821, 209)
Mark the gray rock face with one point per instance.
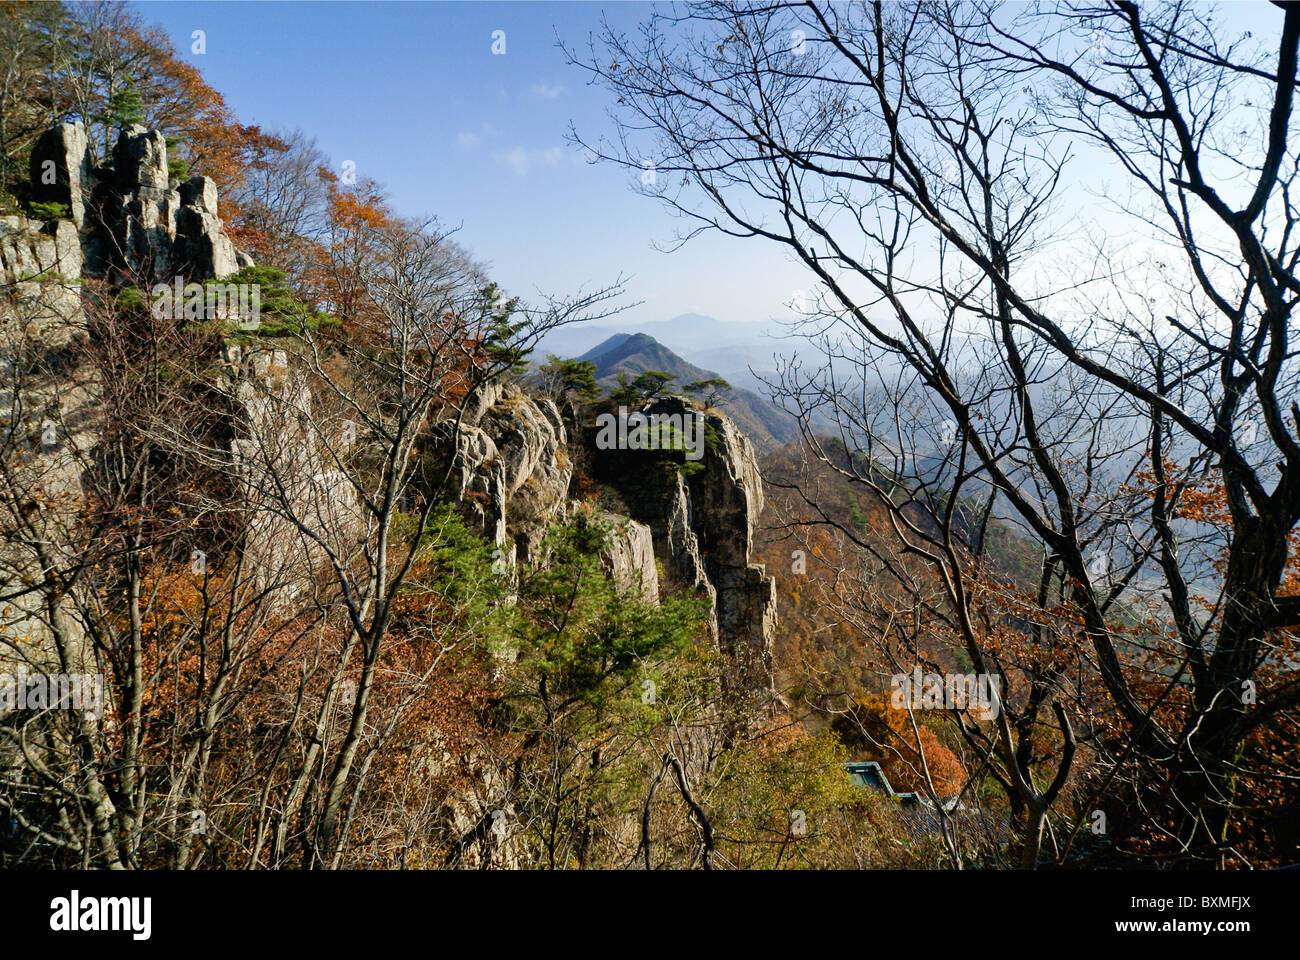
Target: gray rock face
point(478, 481)
point(39, 252)
point(40, 263)
point(139, 229)
point(60, 167)
point(146, 231)
point(703, 523)
point(726, 500)
point(511, 469)
point(46, 456)
point(511, 466)
point(51, 416)
point(630, 559)
point(202, 251)
point(140, 160)
point(683, 546)
point(285, 474)
point(200, 192)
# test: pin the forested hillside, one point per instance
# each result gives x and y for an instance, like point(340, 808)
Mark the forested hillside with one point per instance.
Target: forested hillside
point(312, 558)
point(352, 595)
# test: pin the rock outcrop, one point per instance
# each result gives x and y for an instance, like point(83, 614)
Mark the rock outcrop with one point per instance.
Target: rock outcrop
point(511, 466)
point(41, 264)
point(703, 522)
point(60, 168)
point(48, 417)
point(126, 223)
point(141, 224)
point(47, 411)
point(631, 556)
point(512, 469)
point(726, 499)
point(286, 477)
point(511, 456)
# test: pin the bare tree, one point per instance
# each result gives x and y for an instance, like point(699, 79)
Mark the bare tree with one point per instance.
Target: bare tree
point(917, 160)
point(340, 459)
point(282, 198)
point(108, 525)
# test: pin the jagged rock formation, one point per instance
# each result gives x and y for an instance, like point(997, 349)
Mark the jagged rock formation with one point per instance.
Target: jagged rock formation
point(47, 417)
point(511, 471)
point(128, 223)
point(40, 263)
point(513, 457)
point(512, 466)
point(145, 229)
point(631, 556)
point(726, 499)
point(511, 461)
point(60, 168)
point(284, 473)
point(142, 225)
point(703, 523)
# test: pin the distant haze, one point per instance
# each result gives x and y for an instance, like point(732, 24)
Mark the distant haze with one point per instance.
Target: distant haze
point(727, 349)
point(631, 354)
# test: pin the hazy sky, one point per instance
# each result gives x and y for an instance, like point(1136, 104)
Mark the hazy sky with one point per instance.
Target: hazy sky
point(414, 96)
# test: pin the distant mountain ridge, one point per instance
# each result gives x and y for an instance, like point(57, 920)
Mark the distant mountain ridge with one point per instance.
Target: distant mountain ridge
point(687, 335)
point(633, 354)
point(637, 352)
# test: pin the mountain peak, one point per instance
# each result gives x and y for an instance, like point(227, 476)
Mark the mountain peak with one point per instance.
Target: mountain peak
point(635, 353)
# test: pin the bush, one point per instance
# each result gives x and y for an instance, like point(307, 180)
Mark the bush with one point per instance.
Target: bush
point(49, 211)
point(282, 314)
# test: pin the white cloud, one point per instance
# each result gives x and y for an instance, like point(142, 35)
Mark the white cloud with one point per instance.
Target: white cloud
point(517, 160)
point(547, 91)
point(469, 140)
point(523, 159)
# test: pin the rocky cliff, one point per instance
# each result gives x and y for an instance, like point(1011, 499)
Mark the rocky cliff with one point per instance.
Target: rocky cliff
point(512, 456)
point(263, 461)
point(138, 223)
point(513, 469)
point(129, 223)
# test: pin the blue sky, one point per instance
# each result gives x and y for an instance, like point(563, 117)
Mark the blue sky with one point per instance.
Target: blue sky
point(413, 95)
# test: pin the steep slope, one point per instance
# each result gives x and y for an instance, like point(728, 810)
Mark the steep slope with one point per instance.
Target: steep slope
point(514, 461)
point(137, 224)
